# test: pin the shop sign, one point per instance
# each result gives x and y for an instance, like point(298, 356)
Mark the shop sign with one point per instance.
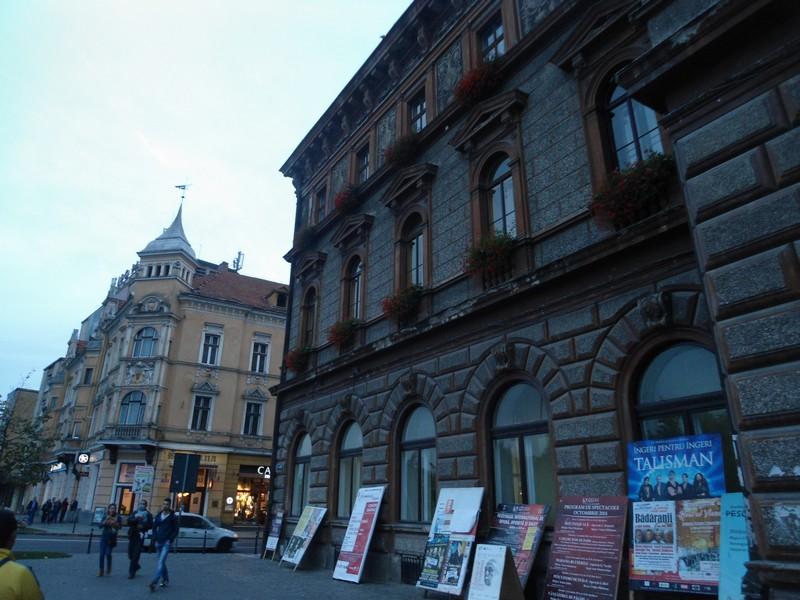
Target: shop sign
point(587, 548)
point(264, 471)
point(520, 527)
point(59, 466)
point(143, 479)
point(350, 564)
point(447, 551)
point(83, 458)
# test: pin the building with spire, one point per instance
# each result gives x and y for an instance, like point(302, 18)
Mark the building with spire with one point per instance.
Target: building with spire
point(178, 358)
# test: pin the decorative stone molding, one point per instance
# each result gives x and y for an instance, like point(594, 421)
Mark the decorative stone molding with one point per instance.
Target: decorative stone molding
point(654, 310)
point(352, 232)
point(408, 184)
point(489, 116)
point(504, 356)
point(206, 388)
point(255, 395)
point(409, 383)
point(140, 373)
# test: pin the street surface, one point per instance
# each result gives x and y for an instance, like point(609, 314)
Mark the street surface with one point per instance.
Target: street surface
point(197, 576)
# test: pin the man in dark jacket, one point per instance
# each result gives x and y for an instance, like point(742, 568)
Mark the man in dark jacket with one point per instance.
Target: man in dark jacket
point(138, 523)
point(165, 530)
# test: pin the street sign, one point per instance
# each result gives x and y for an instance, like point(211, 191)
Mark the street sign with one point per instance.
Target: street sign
point(184, 473)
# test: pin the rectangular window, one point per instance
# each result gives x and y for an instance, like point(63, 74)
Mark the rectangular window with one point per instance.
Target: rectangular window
point(349, 482)
point(322, 204)
point(492, 41)
point(87, 375)
point(417, 113)
point(76, 430)
point(301, 485)
point(201, 415)
point(210, 349)
point(258, 364)
point(416, 254)
point(252, 418)
point(362, 164)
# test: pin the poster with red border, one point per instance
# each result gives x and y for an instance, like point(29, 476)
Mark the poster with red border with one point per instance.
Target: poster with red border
point(520, 527)
point(586, 553)
point(449, 545)
point(355, 544)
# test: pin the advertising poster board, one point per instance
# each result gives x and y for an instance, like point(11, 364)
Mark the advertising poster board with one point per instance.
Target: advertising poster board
point(447, 551)
point(143, 479)
point(586, 553)
point(734, 552)
point(99, 515)
point(306, 527)
point(274, 534)
point(355, 544)
point(494, 576)
point(654, 547)
point(681, 468)
point(695, 569)
point(520, 527)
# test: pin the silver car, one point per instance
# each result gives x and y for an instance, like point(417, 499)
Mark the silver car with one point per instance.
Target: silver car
point(196, 532)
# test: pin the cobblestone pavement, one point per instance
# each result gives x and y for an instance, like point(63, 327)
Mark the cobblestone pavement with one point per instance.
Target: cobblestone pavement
point(203, 577)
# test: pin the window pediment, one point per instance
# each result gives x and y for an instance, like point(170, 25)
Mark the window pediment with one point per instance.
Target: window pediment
point(489, 115)
point(408, 183)
point(255, 395)
point(353, 231)
point(205, 388)
point(151, 304)
point(597, 20)
point(310, 265)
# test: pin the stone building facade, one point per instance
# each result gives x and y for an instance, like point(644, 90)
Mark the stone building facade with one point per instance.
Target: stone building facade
point(179, 358)
point(678, 317)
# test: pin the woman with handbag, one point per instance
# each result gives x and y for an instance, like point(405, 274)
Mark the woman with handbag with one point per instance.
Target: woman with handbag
point(108, 537)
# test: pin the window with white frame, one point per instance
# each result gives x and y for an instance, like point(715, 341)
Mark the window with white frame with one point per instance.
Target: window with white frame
point(201, 414)
point(252, 419)
point(144, 343)
point(260, 357)
point(212, 342)
point(417, 112)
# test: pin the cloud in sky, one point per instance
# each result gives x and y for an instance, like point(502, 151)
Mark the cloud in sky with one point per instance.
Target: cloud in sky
point(108, 105)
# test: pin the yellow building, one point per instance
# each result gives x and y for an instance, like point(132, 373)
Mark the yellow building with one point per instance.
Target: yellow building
point(179, 358)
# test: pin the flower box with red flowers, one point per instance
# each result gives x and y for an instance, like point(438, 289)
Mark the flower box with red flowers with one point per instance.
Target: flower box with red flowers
point(403, 151)
point(343, 333)
point(491, 258)
point(635, 193)
point(347, 199)
point(297, 359)
point(402, 306)
point(478, 83)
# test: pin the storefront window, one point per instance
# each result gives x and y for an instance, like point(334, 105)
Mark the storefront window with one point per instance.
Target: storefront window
point(252, 495)
point(195, 502)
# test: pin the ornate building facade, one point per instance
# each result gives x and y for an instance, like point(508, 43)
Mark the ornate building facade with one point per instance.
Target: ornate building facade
point(178, 358)
point(477, 298)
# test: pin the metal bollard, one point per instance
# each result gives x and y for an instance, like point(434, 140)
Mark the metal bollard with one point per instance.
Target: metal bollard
point(89, 547)
point(205, 536)
point(255, 546)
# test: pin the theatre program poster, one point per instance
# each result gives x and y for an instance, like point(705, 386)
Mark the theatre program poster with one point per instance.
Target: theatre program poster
point(274, 531)
point(675, 486)
point(306, 527)
point(586, 553)
point(520, 527)
point(447, 551)
point(355, 544)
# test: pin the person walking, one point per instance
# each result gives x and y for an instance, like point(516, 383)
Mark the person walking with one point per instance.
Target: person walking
point(46, 510)
point(138, 523)
point(108, 538)
point(33, 508)
point(54, 510)
point(64, 507)
point(165, 530)
point(72, 510)
point(17, 582)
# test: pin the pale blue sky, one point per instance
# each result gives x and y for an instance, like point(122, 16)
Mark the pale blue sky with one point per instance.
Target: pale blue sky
point(106, 105)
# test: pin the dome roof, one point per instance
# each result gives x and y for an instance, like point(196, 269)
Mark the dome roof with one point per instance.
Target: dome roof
point(172, 240)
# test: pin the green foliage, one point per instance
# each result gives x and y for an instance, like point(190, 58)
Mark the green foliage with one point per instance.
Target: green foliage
point(23, 447)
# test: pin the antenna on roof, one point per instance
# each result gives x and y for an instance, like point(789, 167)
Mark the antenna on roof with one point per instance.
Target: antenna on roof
point(182, 188)
point(238, 262)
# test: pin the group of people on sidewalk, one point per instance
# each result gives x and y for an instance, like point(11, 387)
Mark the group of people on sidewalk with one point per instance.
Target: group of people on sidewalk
point(54, 510)
point(165, 530)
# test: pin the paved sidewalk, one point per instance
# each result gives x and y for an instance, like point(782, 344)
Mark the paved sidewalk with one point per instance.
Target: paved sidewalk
point(203, 577)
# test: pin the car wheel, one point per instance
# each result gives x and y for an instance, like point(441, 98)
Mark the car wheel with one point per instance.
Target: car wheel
point(224, 545)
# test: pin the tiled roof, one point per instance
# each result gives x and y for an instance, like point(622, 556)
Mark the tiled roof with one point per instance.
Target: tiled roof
point(230, 285)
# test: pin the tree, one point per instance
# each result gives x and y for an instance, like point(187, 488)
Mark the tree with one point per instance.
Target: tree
point(23, 445)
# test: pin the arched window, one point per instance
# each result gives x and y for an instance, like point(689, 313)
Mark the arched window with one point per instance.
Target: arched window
point(634, 129)
point(418, 467)
point(308, 318)
point(521, 451)
point(354, 280)
point(501, 216)
point(350, 450)
point(412, 239)
point(301, 481)
point(679, 392)
point(131, 410)
point(144, 344)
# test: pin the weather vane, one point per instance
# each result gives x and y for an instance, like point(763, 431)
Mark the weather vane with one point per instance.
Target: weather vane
point(182, 188)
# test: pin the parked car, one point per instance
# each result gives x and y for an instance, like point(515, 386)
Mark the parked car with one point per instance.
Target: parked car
point(196, 530)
